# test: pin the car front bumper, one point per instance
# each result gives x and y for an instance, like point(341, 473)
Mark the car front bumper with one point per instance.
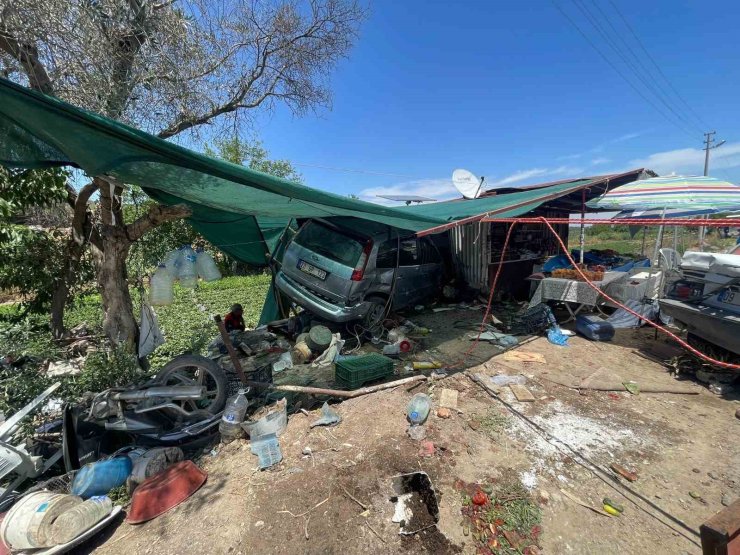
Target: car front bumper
point(316, 305)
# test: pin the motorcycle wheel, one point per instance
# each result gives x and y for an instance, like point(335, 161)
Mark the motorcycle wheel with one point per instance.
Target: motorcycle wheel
point(197, 370)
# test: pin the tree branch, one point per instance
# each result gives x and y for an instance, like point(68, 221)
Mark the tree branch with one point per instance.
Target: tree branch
point(28, 56)
point(81, 213)
point(157, 215)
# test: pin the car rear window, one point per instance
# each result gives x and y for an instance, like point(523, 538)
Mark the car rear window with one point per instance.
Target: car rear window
point(330, 243)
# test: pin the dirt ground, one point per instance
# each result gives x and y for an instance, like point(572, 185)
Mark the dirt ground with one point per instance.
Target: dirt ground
point(684, 449)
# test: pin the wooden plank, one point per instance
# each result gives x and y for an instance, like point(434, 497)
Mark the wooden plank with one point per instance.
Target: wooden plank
point(448, 398)
point(521, 393)
point(524, 356)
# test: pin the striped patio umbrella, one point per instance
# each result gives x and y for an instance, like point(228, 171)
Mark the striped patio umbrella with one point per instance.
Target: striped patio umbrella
point(673, 192)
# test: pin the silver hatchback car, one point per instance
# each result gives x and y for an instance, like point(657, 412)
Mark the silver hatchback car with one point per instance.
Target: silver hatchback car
point(343, 270)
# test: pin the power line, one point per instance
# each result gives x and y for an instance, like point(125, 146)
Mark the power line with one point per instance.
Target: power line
point(616, 69)
point(657, 67)
point(352, 170)
point(593, 20)
point(646, 72)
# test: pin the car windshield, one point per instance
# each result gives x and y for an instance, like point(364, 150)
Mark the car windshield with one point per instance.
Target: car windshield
point(330, 243)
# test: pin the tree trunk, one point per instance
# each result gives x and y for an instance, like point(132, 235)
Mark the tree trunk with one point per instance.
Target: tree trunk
point(119, 323)
point(115, 241)
point(82, 232)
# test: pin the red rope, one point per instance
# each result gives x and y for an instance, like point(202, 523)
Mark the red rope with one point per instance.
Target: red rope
point(630, 311)
point(546, 222)
point(467, 353)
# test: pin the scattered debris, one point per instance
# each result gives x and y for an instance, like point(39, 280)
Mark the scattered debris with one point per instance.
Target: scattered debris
point(329, 417)
point(267, 449)
point(521, 393)
point(623, 472)
point(632, 387)
point(524, 356)
point(582, 503)
point(504, 521)
point(443, 412)
point(448, 398)
point(426, 449)
point(502, 380)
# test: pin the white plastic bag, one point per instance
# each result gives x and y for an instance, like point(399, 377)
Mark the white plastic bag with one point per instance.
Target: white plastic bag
point(150, 336)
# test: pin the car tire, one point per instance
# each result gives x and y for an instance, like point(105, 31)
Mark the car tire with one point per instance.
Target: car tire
point(214, 373)
point(376, 313)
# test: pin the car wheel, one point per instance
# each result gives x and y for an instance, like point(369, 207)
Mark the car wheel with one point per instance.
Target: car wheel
point(376, 313)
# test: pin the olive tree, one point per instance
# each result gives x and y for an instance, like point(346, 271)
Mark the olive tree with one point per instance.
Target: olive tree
point(168, 67)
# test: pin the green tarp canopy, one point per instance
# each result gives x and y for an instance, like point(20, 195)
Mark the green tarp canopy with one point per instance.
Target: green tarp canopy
point(240, 211)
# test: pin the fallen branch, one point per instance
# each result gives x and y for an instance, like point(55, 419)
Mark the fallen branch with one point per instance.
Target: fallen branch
point(308, 511)
point(374, 532)
point(583, 503)
point(335, 392)
point(619, 387)
point(353, 498)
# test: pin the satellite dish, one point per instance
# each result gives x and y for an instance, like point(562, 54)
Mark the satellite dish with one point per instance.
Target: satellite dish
point(467, 183)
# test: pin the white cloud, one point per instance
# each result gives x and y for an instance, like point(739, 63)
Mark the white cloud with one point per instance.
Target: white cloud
point(569, 157)
point(599, 160)
point(690, 161)
point(438, 189)
point(628, 137)
point(521, 175)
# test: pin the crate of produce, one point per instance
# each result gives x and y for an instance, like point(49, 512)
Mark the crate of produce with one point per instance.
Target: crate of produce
point(351, 373)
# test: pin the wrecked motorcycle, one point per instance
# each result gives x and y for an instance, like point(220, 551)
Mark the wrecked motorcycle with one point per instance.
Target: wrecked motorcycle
point(181, 405)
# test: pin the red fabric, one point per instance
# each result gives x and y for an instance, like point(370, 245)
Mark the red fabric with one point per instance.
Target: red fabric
point(234, 322)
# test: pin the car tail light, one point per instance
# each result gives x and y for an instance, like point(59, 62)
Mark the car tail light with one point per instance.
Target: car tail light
point(359, 271)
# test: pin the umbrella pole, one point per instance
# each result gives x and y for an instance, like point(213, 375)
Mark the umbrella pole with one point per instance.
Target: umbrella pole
point(582, 240)
point(644, 234)
point(659, 240)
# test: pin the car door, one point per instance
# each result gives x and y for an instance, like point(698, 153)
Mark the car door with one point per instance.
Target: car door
point(410, 281)
point(431, 266)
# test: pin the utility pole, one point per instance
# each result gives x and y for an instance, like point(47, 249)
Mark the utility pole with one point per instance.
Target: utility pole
point(708, 140)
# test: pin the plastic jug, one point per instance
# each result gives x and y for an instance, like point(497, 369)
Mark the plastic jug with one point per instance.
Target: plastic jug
point(160, 287)
point(236, 408)
point(418, 409)
point(206, 266)
point(100, 477)
point(80, 519)
point(186, 272)
point(172, 262)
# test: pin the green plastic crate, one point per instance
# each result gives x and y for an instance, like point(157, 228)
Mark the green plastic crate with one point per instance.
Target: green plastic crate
point(354, 372)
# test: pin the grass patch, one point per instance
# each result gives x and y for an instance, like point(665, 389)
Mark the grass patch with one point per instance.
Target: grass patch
point(493, 423)
point(504, 520)
point(187, 325)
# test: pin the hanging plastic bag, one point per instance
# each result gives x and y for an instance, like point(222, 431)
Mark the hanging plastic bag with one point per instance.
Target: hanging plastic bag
point(150, 336)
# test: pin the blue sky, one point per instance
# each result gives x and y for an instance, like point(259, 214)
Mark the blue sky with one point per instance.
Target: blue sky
point(512, 91)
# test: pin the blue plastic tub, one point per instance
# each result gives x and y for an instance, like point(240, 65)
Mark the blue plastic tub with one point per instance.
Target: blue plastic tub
point(595, 328)
point(100, 477)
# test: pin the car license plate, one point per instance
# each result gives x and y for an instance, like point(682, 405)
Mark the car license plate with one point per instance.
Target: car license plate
point(729, 296)
point(311, 270)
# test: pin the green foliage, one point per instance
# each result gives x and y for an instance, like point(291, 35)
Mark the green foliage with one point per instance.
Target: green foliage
point(31, 257)
point(188, 324)
point(253, 155)
point(106, 368)
point(21, 190)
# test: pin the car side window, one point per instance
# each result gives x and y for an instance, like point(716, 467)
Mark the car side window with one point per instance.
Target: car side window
point(429, 253)
point(386, 257)
point(409, 252)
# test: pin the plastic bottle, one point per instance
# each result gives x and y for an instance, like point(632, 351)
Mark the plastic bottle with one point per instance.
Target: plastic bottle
point(418, 409)
point(236, 408)
point(160, 287)
point(172, 262)
point(80, 518)
point(186, 272)
point(206, 266)
point(100, 477)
